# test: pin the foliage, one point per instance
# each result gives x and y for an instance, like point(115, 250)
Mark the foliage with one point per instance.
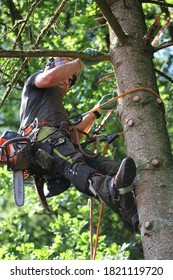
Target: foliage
point(28, 232)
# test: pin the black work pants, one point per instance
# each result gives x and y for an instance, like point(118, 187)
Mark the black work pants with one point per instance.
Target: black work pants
point(70, 163)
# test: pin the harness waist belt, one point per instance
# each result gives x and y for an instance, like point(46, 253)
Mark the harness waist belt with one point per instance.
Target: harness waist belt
point(29, 128)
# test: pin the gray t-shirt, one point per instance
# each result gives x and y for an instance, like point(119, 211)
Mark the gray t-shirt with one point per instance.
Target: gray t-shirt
point(41, 103)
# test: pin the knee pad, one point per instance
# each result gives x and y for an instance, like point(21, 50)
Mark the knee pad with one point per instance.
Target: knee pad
point(57, 185)
point(79, 175)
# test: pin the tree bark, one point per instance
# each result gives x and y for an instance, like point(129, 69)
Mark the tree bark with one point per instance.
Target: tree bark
point(142, 115)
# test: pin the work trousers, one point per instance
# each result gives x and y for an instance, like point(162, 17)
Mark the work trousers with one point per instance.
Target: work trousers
point(76, 168)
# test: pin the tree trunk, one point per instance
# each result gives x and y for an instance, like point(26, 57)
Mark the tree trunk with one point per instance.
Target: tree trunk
point(143, 118)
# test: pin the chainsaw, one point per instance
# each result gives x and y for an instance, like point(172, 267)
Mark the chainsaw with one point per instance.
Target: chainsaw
point(15, 153)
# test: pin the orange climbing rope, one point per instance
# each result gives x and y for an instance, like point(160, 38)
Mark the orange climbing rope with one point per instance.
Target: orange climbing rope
point(126, 93)
point(98, 230)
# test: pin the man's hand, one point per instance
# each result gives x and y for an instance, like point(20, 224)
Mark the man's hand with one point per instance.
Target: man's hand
point(91, 52)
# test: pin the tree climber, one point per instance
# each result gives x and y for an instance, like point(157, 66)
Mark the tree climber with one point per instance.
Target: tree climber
point(45, 121)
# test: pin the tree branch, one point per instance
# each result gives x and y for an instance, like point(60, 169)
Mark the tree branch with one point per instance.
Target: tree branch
point(51, 21)
point(158, 3)
point(168, 13)
point(162, 30)
point(164, 75)
point(107, 13)
point(163, 46)
point(32, 8)
point(49, 53)
point(150, 32)
point(15, 16)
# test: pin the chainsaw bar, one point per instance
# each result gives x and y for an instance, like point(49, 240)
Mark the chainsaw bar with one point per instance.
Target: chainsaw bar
point(18, 183)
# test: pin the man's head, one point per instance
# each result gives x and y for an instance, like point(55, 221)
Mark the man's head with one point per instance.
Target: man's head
point(57, 61)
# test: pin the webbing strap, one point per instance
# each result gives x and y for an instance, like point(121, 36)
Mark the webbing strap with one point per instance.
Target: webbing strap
point(125, 190)
point(30, 128)
point(39, 183)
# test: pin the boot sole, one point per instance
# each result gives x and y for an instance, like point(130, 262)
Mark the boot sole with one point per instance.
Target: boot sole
point(126, 173)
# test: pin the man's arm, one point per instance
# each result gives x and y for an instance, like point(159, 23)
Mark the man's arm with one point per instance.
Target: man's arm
point(60, 73)
point(85, 125)
point(94, 114)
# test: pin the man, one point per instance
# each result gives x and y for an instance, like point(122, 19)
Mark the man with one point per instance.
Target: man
point(57, 156)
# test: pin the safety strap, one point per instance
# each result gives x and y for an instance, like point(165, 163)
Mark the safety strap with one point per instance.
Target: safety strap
point(39, 183)
point(35, 124)
point(125, 190)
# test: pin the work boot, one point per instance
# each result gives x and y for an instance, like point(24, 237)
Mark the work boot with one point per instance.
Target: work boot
point(121, 183)
point(117, 192)
point(121, 191)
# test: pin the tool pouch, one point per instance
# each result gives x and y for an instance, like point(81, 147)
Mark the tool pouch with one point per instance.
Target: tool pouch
point(44, 159)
